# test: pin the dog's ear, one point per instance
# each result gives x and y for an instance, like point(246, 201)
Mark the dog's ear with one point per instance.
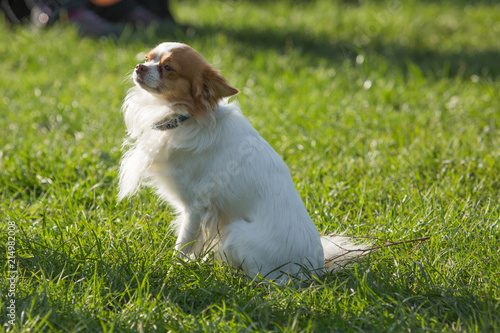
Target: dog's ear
point(207, 88)
point(216, 86)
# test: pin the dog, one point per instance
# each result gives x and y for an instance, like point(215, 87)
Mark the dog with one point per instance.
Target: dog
point(232, 192)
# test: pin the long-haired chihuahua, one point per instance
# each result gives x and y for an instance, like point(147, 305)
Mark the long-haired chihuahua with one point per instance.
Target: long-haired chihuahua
point(233, 193)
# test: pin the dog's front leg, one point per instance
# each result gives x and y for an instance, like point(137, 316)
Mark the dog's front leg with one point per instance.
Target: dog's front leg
point(188, 243)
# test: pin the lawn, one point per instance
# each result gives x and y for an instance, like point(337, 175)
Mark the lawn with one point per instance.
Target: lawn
point(386, 112)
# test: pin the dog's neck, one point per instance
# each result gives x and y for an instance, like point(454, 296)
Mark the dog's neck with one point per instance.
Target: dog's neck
point(170, 122)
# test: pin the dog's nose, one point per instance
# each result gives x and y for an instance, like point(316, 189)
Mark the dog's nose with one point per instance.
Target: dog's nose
point(141, 68)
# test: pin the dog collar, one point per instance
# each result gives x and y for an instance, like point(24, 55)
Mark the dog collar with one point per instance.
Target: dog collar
point(169, 123)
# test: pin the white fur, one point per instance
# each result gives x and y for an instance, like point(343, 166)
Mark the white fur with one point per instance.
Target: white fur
point(232, 191)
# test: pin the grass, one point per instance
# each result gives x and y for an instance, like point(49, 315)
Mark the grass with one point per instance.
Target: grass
point(387, 114)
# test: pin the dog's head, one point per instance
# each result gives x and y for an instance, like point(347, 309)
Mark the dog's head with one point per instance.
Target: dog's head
point(178, 74)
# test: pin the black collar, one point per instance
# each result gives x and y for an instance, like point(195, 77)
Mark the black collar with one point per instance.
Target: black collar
point(169, 123)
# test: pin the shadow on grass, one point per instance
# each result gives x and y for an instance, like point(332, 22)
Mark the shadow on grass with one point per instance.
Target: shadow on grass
point(327, 47)
point(484, 62)
point(74, 289)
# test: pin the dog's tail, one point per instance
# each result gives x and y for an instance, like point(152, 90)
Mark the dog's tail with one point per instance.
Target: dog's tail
point(342, 250)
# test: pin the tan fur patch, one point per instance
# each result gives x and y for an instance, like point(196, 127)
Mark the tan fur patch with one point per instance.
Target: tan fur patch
point(191, 82)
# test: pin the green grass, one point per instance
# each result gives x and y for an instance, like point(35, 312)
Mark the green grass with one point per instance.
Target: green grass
point(387, 114)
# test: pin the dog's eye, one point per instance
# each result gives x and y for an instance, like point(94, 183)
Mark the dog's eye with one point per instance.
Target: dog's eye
point(168, 68)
